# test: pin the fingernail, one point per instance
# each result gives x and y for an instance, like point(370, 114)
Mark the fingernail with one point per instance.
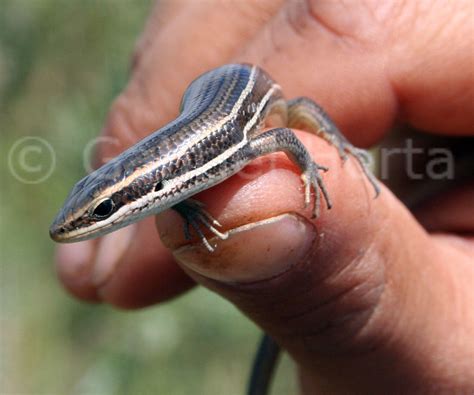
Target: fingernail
point(109, 253)
point(253, 252)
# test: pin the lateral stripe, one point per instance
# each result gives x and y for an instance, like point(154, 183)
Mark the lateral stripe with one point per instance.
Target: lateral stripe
point(215, 127)
point(232, 150)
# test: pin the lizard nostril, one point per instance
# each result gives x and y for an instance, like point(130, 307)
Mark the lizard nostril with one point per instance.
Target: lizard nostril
point(56, 232)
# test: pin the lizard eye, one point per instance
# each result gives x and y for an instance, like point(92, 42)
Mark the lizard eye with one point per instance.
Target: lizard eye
point(104, 209)
point(158, 186)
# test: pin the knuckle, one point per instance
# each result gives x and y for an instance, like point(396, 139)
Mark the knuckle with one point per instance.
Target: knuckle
point(298, 17)
point(351, 23)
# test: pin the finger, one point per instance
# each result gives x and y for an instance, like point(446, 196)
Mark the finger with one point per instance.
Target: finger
point(351, 295)
point(121, 268)
point(368, 63)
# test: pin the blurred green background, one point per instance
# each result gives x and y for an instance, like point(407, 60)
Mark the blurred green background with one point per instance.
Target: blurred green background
point(61, 65)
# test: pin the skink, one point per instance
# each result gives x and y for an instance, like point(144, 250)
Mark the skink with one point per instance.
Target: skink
point(220, 129)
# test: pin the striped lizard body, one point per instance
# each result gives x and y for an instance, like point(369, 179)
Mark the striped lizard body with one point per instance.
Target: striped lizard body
point(218, 131)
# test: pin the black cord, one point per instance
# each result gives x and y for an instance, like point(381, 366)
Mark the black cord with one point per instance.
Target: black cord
point(263, 366)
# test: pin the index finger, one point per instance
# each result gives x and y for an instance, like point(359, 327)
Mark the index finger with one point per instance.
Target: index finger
point(371, 63)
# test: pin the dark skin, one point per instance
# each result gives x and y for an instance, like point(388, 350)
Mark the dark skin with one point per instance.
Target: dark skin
point(364, 298)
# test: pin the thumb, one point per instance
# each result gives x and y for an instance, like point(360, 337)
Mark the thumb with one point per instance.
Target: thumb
point(360, 290)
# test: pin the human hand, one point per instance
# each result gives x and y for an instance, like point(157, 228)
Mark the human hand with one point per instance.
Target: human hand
point(362, 297)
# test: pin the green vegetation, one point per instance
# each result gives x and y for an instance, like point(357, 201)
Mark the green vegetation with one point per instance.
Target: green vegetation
point(61, 64)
